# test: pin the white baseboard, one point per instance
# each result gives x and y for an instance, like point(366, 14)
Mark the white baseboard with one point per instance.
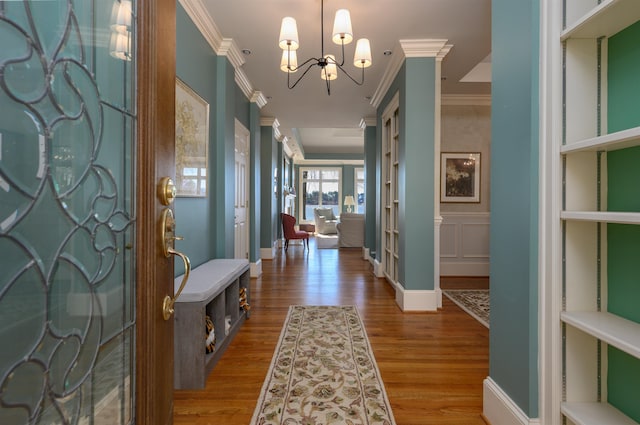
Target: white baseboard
point(499, 409)
point(453, 268)
point(255, 269)
point(268, 253)
point(378, 271)
point(418, 300)
point(365, 253)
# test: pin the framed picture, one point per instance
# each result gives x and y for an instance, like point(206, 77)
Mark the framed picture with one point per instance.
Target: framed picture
point(460, 177)
point(192, 136)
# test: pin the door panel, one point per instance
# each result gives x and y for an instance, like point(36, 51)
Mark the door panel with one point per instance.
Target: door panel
point(82, 272)
point(67, 216)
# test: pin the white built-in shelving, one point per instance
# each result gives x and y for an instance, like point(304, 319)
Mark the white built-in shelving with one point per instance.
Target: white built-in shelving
point(587, 326)
point(391, 142)
point(595, 413)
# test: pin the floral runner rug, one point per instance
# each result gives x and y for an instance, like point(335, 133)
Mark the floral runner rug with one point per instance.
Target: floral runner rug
point(473, 301)
point(323, 372)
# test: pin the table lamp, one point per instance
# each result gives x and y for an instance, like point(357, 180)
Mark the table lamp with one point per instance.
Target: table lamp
point(349, 202)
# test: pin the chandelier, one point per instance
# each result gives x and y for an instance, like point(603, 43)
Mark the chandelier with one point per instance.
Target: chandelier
point(342, 34)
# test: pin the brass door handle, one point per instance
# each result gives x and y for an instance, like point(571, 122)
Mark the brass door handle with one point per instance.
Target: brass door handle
point(168, 302)
point(168, 237)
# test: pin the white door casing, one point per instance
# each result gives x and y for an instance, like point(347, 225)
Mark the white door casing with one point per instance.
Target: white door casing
point(242, 175)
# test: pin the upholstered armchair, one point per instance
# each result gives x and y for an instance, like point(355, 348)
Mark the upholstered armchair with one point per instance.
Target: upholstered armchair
point(350, 230)
point(325, 221)
point(290, 232)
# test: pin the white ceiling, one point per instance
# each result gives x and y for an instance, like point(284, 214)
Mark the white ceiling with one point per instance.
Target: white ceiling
point(322, 123)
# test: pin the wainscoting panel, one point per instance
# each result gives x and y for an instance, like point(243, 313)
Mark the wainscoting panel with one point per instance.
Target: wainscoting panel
point(464, 244)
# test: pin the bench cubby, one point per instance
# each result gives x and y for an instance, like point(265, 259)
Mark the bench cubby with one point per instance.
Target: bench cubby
point(213, 290)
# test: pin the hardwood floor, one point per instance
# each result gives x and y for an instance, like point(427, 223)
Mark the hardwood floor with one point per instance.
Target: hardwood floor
point(432, 364)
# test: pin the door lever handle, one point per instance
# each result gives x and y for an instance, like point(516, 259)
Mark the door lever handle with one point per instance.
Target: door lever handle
point(168, 237)
point(168, 302)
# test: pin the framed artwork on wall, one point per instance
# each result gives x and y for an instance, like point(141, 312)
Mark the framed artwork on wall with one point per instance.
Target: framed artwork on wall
point(460, 177)
point(192, 136)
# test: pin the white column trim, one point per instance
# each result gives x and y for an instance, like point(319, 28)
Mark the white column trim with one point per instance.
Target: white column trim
point(550, 201)
point(426, 48)
point(256, 268)
point(499, 409)
point(417, 299)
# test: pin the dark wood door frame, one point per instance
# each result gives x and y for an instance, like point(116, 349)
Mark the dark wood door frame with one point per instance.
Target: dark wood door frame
point(156, 72)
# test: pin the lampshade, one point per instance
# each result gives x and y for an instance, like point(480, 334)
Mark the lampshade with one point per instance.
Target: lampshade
point(342, 31)
point(329, 72)
point(289, 34)
point(121, 16)
point(362, 57)
point(349, 201)
point(289, 62)
point(119, 45)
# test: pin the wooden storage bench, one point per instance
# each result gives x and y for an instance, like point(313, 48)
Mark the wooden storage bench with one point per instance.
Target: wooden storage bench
point(213, 290)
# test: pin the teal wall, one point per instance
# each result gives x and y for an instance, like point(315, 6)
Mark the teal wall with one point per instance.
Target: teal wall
point(222, 168)
point(415, 83)
point(196, 67)
point(623, 194)
point(348, 184)
point(416, 180)
point(207, 224)
point(514, 205)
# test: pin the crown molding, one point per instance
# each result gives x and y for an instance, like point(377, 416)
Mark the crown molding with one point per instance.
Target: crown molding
point(443, 52)
point(269, 122)
point(428, 48)
point(275, 124)
point(367, 122)
point(422, 48)
point(203, 21)
point(466, 99)
point(243, 82)
point(258, 98)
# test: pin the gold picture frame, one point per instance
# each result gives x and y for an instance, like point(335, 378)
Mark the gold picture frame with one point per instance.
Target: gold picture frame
point(192, 137)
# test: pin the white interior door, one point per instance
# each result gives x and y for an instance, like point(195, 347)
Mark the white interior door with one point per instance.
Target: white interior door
point(241, 225)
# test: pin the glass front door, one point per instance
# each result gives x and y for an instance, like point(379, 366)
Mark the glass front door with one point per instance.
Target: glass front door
point(67, 290)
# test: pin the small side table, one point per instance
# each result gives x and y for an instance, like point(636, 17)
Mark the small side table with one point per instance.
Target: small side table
point(308, 227)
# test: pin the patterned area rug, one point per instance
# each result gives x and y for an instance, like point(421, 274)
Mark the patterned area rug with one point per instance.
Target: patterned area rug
point(473, 301)
point(323, 372)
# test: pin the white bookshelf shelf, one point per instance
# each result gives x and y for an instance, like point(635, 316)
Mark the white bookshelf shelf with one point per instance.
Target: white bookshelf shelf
point(595, 414)
point(614, 330)
point(602, 216)
point(606, 19)
point(609, 142)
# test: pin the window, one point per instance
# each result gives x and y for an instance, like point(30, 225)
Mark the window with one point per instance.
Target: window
point(359, 190)
point(320, 187)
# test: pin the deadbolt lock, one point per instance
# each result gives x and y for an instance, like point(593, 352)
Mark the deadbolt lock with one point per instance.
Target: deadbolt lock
point(167, 191)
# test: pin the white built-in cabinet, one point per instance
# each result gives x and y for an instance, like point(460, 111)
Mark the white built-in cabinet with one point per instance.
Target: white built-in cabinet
point(588, 329)
point(390, 200)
